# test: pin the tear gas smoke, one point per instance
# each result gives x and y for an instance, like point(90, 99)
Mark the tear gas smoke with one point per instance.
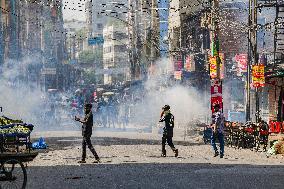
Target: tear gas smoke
point(20, 96)
point(187, 104)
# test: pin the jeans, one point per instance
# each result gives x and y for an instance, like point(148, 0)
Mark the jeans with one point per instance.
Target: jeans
point(220, 137)
point(169, 140)
point(87, 142)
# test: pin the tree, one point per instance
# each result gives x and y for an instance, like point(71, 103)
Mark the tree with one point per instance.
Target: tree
point(90, 57)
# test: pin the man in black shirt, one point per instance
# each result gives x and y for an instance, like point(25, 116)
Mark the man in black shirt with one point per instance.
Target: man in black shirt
point(168, 118)
point(87, 133)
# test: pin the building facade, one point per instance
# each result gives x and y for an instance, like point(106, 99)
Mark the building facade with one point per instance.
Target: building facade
point(116, 54)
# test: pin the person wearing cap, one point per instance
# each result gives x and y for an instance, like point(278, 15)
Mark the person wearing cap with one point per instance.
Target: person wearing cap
point(168, 118)
point(87, 126)
point(218, 131)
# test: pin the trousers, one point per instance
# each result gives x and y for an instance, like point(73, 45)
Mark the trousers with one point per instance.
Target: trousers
point(87, 142)
point(169, 140)
point(220, 137)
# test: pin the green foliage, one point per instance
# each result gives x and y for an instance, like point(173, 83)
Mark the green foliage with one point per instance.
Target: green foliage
point(81, 34)
point(89, 56)
point(90, 76)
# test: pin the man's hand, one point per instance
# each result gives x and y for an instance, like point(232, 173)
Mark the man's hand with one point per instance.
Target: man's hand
point(213, 128)
point(77, 119)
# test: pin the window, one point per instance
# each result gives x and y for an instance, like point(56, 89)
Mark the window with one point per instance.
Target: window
point(100, 26)
point(107, 49)
point(120, 48)
point(119, 35)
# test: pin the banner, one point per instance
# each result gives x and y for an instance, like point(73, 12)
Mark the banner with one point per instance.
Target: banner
point(189, 65)
point(177, 63)
point(178, 75)
point(242, 61)
point(213, 66)
point(258, 78)
point(214, 44)
point(216, 93)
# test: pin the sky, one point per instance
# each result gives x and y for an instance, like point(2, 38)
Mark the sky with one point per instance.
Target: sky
point(74, 14)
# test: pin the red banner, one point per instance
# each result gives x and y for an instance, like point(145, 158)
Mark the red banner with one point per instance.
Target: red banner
point(216, 94)
point(178, 63)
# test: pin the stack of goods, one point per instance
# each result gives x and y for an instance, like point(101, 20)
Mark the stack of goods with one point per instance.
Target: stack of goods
point(277, 148)
point(9, 127)
point(7, 121)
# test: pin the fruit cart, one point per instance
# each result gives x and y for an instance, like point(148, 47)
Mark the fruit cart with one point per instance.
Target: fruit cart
point(13, 173)
point(15, 149)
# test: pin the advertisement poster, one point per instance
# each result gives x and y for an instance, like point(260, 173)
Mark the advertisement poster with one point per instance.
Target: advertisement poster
point(178, 75)
point(178, 65)
point(258, 78)
point(242, 61)
point(216, 93)
point(213, 66)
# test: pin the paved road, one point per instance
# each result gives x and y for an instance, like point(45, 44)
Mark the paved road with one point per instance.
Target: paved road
point(156, 176)
point(135, 163)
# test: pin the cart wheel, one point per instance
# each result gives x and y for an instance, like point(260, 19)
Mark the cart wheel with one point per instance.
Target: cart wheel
point(15, 175)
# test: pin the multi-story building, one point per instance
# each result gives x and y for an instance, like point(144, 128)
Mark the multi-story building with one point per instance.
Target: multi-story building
point(33, 29)
point(189, 38)
point(101, 13)
point(116, 54)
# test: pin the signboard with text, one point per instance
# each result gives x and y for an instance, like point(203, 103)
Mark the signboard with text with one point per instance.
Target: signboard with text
point(178, 65)
point(258, 78)
point(189, 65)
point(48, 71)
point(242, 61)
point(216, 93)
point(213, 66)
point(96, 40)
point(178, 75)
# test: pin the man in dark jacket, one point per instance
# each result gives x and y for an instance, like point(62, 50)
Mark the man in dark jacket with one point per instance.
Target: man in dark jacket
point(168, 118)
point(87, 133)
point(218, 130)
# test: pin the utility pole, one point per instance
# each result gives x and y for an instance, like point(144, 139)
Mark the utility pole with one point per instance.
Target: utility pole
point(252, 56)
point(255, 56)
point(249, 62)
point(216, 81)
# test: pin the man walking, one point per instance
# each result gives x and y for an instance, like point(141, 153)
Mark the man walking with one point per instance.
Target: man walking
point(168, 118)
point(87, 133)
point(218, 128)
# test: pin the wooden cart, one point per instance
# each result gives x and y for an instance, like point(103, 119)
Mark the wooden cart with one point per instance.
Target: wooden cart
point(12, 171)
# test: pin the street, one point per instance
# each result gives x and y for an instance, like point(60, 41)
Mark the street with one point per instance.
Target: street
point(136, 163)
point(133, 76)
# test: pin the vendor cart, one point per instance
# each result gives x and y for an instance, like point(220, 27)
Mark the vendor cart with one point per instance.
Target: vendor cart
point(15, 149)
point(12, 171)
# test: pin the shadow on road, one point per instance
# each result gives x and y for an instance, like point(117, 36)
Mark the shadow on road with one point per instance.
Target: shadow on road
point(57, 143)
point(156, 176)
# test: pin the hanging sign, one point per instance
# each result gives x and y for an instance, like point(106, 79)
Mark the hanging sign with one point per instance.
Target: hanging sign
point(178, 63)
point(178, 75)
point(242, 60)
point(187, 65)
point(258, 78)
point(216, 93)
point(213, 66)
